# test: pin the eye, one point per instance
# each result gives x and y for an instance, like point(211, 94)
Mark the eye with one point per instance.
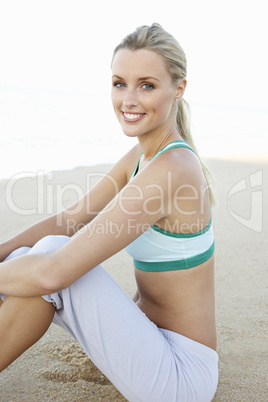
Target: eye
point(148, 86)
point(118, 84)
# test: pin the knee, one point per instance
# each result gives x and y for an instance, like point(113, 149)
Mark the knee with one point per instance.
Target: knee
point(49, 244)
point(18, 252)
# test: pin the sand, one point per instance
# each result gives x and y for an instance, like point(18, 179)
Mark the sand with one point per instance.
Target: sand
point(56, 369)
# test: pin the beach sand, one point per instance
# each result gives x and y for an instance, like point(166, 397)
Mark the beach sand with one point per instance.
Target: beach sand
point(56, 369)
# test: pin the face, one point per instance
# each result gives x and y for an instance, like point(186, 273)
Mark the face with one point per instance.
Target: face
point(143, 94)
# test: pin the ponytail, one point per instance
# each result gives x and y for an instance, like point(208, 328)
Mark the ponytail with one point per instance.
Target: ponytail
point(183, 126)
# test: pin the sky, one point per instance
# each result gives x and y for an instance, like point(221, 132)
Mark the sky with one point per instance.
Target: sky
point(68, 45)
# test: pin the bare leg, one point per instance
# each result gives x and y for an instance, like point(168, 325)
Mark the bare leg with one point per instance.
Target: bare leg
point(23, 321)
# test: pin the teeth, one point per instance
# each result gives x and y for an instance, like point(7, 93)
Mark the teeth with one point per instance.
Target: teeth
point(132, 116)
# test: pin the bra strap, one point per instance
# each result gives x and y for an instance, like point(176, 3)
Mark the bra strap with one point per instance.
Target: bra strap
point(174, 144)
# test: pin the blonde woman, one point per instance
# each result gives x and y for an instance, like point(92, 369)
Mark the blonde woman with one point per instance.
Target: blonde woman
point(160, 346)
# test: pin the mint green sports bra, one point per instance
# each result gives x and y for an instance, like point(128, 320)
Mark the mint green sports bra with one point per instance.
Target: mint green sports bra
point(158, 250)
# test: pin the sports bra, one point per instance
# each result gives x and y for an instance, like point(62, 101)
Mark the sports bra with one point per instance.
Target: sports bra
point(158, 250)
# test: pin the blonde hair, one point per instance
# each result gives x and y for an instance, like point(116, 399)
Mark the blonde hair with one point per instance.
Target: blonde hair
point(155, 38)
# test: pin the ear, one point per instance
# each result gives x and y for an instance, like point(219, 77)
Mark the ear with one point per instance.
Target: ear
point(181, 88)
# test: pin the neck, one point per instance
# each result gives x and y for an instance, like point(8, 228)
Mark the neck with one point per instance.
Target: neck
point(151, 145)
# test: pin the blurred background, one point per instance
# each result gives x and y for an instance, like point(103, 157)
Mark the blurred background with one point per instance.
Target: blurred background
point(55, 78)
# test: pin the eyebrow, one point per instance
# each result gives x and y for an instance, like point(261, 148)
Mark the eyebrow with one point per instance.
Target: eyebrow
point(140, 79)
point(148, 78)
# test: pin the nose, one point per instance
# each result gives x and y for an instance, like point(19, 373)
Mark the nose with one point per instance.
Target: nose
point(130, 98)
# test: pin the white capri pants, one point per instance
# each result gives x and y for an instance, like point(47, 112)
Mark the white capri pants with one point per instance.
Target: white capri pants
point(144, 362)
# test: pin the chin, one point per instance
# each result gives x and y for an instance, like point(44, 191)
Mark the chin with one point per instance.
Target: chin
point(130, 133)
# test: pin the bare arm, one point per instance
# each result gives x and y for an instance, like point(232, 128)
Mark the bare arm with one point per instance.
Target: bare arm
point(145, 200)
point(75, 217)
point(131, 212)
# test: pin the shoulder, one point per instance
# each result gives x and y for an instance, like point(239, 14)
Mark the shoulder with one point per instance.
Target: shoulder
point(181, 180)
point(181, 164)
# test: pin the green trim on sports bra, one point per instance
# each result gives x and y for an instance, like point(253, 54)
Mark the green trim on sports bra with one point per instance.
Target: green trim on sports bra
point(176, 265)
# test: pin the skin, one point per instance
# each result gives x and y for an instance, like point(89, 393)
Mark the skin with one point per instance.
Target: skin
point(144, 100)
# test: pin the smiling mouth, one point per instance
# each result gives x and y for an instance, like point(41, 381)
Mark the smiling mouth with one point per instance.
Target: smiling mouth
point(132, 116)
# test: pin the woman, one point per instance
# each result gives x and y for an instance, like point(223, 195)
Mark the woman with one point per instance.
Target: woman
point(161, 345)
